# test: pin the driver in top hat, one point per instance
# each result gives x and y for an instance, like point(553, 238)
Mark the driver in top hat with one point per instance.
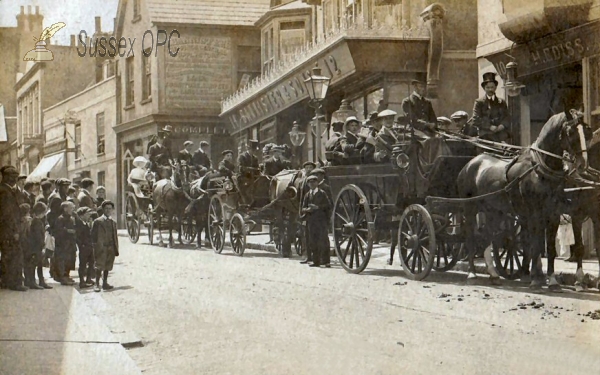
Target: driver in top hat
point(490, 113)
point(419, 110)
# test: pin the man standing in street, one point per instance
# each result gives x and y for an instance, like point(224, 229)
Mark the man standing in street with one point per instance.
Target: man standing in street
point(12, 255)
point(316, 208)
point(106, 245)
point(54, 204)
point(490, 113)
point(84, 244)
point(46, 192)
point(248, 170)
point(28, 190)
point(85, 197)
point(21, 195)
point(201, 160)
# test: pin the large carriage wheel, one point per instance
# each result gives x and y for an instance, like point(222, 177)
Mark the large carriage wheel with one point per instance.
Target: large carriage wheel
point(237, 234)
point(188, 227)
point(353, 229)
point(508, 251)
point(416, 240)
point(132, 221)
point(150, 224)
point(216, 224)
point(448, 240)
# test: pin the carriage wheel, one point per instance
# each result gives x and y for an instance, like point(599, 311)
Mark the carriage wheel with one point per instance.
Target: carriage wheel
point(132, 222)
point(237, 234)
point(508, 252)
point(150, 224)
point(188, 227)
point(353, 229)
point(447, 239)
point(299, 241)
point(416, 239)
point(216, 224)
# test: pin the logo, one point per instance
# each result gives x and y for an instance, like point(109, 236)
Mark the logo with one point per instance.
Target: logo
point(40, 53)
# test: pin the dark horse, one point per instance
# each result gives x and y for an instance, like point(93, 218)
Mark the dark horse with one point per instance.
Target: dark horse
point(530, 188)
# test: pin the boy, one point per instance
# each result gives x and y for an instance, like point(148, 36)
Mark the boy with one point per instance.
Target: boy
point(106, 245)
point(84, 244)
point(35, 255)
point(23, 235)
point(66, 246)
point(316, 208)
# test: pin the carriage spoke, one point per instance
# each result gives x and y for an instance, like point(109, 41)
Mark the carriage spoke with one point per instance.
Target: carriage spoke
point(346, 252)
point(338, 215)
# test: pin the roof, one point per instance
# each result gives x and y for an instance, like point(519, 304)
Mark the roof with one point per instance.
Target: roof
point(207, 12)
point(293, 7)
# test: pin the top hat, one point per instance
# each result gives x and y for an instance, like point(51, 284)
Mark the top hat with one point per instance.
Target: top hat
point(253, 142)
point(489, 77)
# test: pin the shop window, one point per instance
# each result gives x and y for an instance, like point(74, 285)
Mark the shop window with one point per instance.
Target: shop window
point(291, 38)
point(248, 64)
point(100, 132)
point(129, 85)
point(78, 141)
point(147, 74)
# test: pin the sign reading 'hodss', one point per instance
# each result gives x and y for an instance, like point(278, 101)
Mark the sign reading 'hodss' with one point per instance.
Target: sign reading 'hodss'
point(291, 88)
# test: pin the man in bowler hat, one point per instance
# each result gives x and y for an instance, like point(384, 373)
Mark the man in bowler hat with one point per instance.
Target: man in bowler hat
point(490, 113)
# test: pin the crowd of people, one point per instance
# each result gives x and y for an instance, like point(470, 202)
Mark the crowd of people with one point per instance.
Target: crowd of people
point(45, 224)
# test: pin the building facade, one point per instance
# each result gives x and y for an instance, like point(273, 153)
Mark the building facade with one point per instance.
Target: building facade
point(209, 49)
point(371, 50)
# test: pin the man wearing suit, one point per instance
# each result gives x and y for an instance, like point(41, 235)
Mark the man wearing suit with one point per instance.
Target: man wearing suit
point(276, 163)
point(21, 195)
point(419, 110)
point(490, 113)
point(200, 159)
point(316, 209)
point(186, 153)
point(105, 244)
point(159, 154)
point(350, 142)
point(85, 197)
point(248, 170)
point(28, 191)
point(386, 138)
point(226, 166)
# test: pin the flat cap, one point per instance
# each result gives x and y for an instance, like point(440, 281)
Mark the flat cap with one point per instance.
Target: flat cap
point(309, 163)
point(386, 113)
point(316, 171)
point(87, 181)
point(107, 203)
point(312, 178)
point(203, 143)
point(9, 170)
point(444, 120)
point(100, 188)
point(351, 118)
point(84, 210)
point(227, 152)
point(63, 182)
point(22, 177)
point(188, 143)
point(459, 114)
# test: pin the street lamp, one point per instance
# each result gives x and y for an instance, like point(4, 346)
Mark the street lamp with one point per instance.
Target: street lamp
point(296, 136)
point(317, 86)
point(512, 85)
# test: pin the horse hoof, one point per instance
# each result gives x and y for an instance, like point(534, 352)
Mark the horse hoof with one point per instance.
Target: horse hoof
point(555, 288)
point(495, 281)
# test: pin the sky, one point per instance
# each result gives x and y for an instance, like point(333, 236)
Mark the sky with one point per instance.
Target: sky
point(77, 14)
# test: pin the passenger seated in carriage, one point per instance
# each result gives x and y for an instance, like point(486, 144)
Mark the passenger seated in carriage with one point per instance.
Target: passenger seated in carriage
point(226, 167)
point(139, 177)
point(367, 150)
point(333, 152)
point(276, 163)
point(464, 125)
point(386, 137)
point(351, 141)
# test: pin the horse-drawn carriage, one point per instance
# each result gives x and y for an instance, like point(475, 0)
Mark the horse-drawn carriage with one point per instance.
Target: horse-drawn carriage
point(415, 196)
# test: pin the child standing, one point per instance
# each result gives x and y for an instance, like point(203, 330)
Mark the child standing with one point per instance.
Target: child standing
point(34, 258)
point(84, 244)
point(66, 245)
point(25, 209)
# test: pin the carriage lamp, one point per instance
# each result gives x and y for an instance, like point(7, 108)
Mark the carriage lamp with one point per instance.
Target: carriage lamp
point(296, 136)
point(512, 85)
point(228, 185)
point(402, 161)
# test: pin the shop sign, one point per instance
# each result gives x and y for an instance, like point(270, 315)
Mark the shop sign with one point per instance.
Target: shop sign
point(189, 129)
point(291, 89)
point(551, 51)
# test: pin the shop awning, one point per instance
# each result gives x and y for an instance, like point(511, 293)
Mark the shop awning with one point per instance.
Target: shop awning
point(50, 166)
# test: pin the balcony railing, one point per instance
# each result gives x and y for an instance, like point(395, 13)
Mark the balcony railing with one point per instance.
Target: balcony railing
point(310, 50)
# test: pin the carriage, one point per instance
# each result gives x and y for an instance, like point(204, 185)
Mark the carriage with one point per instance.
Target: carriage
point(228, 212)
point(415, 196)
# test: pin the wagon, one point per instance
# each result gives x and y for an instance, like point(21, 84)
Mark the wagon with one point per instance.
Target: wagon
point(417, 199)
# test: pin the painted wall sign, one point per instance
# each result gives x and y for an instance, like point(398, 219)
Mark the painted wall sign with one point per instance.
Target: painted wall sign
point(549, 52)
point(291, 88)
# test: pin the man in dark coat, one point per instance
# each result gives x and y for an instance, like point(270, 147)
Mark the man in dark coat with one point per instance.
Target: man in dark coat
point(85, 197)
point(226, 166)
point(28, 190)
point(276, 163)
point(490, 113)
point(21, 195)
point(65, 232)
point(159, 154)
point(84, 244)
point(350, 142)
point(46, 187)
point(106, 245)
point(248, 170)
point(186, 153)
point(419, 110)
point(201, 160)
point(10, 222)
point(316, 209)
point(54, 204)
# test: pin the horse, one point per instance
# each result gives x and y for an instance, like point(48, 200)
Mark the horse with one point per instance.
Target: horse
point(170, 201)
point(527, 190)
point(197, 209)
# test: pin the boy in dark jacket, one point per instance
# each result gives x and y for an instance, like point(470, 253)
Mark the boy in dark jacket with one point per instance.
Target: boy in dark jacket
point(23, 234)
point(66, 246)
point(34, 256)
point(316, 209)
point(84, 244)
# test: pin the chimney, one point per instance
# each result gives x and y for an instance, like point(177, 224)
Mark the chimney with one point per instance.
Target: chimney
point(72, 40)
point(22, 9)
point(29, 9)
point(114, 25)
point(37, 9)
point(98, 24)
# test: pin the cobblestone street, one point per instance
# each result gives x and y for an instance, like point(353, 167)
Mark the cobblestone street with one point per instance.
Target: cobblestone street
point(198, 312)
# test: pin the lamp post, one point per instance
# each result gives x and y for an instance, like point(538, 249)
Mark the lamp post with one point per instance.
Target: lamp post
point(297, 137)
point(513, 88)
point(317, 86)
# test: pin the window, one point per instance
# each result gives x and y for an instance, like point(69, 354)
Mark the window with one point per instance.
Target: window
point(129, 89)
point(291, 38)
point(77, 141)
point(147, 75)
point(100, 132)
point(268, 50)
point(248, 64)
point(25, 122)
point(102, 178)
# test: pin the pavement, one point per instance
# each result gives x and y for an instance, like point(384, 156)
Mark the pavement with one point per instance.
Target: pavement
point(55, 332)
